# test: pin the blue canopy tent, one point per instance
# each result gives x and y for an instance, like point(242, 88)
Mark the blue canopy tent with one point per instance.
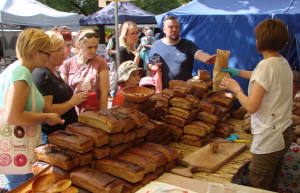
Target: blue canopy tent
point(230, 24)
point(127, 12)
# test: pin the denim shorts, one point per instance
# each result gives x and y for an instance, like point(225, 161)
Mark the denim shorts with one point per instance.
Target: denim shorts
point(14, 180)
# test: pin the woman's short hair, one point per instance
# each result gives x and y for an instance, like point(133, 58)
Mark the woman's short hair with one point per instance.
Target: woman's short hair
point(56, 38)
point(271, 34)
point(124, 31)
point(31, 40)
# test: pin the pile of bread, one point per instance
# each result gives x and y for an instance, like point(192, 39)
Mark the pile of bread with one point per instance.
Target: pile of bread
point(105, 151)
point(191, 111)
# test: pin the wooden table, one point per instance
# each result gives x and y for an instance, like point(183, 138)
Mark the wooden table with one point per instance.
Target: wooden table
point(226, 173)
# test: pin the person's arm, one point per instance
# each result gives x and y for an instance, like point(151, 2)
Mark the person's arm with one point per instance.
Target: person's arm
point(15, 102)
point(245, 74)
point(137, 57)
point(252, 102)
point(61, 108)
point(104, 89)
point(205, 57)
point(237, 72)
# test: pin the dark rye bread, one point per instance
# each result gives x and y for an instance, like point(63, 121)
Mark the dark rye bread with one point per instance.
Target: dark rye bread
point(139, 117)
point(126, 170)
point(57, 156)
point(108, 120)
point(159, 158)
point(98, 136)
point(95, 181)
point(71, 140)
point(169, 152)
point(147, 163)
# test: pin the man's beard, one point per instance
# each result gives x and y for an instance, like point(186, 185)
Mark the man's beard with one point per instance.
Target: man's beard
point(174, 38)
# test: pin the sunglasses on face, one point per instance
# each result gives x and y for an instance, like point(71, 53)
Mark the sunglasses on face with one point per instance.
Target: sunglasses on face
point(47, 53)
point(133, 33)
point(89, 35)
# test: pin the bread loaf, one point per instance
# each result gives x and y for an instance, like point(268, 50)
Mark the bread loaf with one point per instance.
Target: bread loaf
point(140, 132)
point(115, 139)
point(223, 98)
point(98, 136)
point(200, 84)
point(181, 103)
point(58, 173)
point(175, 130)
point(186, 114)
point(57, 156)
point(95, 181)
point(107, 120)
point(173, 119)
point(84, 158)
point(147, 163)
point(128, 171)
point(207, 117)
point(223, 130)
point(174, 83)
point(139, 117)
point(207, 107)
point(116, 150)
point(148, 178)
point(73, 141)
point(192, 140)
point(203, 75)
point(159, 158)
point(129, 136)
point(209, 127)
point(195, 129)
point(169, 152)
point(101, 152)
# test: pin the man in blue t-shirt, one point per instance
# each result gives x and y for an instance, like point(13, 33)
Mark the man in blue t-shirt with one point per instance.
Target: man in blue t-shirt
point(174, 55)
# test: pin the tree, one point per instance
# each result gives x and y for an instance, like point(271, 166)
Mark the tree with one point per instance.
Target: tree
point(87, 7)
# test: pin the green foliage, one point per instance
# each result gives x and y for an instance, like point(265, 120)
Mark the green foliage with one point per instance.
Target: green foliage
point(87, 7)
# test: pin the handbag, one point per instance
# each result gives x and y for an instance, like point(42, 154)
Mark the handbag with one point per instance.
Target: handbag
point(17, 144)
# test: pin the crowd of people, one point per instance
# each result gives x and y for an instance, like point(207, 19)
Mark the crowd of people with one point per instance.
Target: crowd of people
point(58, 75)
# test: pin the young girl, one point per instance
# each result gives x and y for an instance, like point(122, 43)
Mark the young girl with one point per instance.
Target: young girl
point(129, 75)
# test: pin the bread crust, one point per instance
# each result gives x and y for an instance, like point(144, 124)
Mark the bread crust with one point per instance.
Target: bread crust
point(95, 181)
point(98, 136)
point(71, 140)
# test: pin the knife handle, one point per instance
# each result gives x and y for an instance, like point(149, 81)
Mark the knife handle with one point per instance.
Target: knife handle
point(242, 141)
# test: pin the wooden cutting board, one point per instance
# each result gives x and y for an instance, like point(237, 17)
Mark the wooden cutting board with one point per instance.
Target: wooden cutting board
point(206, 161)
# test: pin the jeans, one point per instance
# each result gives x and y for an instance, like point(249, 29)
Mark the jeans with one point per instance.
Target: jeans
point(14, 180)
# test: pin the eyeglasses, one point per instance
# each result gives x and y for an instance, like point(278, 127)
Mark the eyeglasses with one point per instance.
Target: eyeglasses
point(47, 53)
point(88, 36)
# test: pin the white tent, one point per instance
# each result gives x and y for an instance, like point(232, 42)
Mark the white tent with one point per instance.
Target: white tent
point(31, 13)
point(34, 13)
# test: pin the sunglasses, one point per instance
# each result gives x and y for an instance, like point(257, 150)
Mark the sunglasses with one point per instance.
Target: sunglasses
point(47, 53)
point(88, 36)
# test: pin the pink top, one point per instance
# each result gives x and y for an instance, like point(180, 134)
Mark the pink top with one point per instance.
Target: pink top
point(85, 77)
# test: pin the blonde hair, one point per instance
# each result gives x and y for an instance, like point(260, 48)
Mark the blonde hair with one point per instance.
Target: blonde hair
point(56, 38)
point(124, 31)
point(31, 40)
point(79, 38)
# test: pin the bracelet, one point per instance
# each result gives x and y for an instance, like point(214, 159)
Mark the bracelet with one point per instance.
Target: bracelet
point(238, 91)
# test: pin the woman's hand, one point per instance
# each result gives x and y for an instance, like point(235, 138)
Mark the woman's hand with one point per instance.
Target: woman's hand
point(53, 119)
point(230, 84)
point(79, 98)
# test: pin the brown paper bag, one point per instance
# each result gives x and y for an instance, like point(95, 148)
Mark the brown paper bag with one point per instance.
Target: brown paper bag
point(221, 62)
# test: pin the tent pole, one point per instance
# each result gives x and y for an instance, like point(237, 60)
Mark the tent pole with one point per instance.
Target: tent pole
point(117, 33)
point(2, 43)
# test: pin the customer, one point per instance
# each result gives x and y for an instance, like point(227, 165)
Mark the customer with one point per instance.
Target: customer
point(51, 85)
point(129, 75)
point(113, 70)
point(269, 103)
point(128, 40)
point(146, 44)
point(86, 72)
point(23, 105)
point(177, 54)
point(68, 37)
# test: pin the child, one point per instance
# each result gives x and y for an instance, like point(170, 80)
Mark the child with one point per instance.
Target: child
point(129, 75)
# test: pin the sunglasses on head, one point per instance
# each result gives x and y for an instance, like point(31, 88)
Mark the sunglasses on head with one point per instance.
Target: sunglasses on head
point(89, 35)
